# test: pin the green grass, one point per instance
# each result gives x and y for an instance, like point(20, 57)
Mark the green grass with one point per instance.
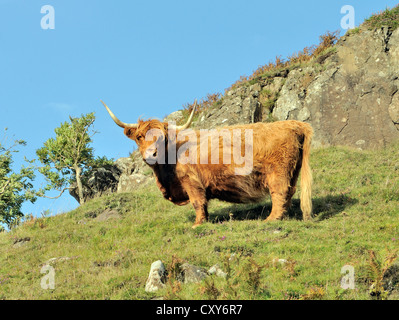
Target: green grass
point(353, 31)
point(356, 207)
point(386, 18)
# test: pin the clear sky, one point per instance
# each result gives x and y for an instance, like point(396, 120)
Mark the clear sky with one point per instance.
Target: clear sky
point(143, 58)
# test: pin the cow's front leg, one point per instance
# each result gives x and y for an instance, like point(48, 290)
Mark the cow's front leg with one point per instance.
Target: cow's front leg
point(201, 212)
point(197, 196)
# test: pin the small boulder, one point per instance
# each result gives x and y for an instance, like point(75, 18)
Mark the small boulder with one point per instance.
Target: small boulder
point(21, 242)
point(217, 271)
point(391, 278)
point(191, 273)
point(157, 277)
point(279, 261)
point(107, 215)
point(129, 183)
point(125, 165)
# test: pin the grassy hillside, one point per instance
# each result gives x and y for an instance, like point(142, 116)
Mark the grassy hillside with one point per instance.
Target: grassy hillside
point(356, 206)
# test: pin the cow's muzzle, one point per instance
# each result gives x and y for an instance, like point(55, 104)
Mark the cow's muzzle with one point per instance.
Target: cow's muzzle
point(151, 156)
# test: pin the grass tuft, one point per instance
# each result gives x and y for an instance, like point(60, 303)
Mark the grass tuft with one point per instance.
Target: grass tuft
point(387, 18)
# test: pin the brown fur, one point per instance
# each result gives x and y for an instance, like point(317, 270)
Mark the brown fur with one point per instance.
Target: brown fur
point(280, 150)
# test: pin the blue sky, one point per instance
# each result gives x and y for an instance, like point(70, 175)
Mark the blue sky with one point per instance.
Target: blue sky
point(143, 58)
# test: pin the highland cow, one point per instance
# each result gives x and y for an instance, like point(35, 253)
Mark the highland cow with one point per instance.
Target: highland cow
point(239, 164)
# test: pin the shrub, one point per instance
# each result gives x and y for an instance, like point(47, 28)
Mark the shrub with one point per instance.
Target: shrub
point(388, 17)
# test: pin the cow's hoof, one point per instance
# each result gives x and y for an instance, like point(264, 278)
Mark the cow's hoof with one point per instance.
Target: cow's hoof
point(196, 225)
point(271, 218)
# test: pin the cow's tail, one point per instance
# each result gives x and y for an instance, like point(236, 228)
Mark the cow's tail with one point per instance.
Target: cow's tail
point(306, 175)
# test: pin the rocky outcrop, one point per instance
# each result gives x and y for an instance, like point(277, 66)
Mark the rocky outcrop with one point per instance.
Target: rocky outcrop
point(100, 182)
point(134, 173)
point(353, 99)
point(124, 175)
point(349, 94)
point(240, 105)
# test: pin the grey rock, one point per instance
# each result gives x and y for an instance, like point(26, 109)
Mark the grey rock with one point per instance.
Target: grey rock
point(348, 94)
point(215, 270)
point(157, 277)
point(99, 182)
point(391, 278)
point(174, 117)
point(53, 261)
point(125, 165)
point(20, 242)
point(124, 175)
point(128, 183)
point(107, 215)
point(279, 261)
point(394, 109)
point(191, 273)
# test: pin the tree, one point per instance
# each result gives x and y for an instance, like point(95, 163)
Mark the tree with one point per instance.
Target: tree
point(15, 187)
point(66, 158)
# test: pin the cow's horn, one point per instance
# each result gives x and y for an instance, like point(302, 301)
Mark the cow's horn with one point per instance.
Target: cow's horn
point(117, 121)
point(190, 119)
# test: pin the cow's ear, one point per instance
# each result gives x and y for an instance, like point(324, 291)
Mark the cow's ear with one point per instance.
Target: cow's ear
point(130, 132)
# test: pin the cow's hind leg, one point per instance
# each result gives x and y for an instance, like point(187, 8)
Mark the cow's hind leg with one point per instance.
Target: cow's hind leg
point(279, 206)
point(281, 195)
point(291, 192)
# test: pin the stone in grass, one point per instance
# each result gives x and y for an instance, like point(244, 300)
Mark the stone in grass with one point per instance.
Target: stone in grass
point(53, 261)
point(157, 277)
point(21, 242)
point(107, 215)
point(217, 271)
point(391, 281)
point(192, 274)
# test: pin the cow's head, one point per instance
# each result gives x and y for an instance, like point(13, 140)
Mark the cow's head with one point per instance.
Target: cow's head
point(151, 136)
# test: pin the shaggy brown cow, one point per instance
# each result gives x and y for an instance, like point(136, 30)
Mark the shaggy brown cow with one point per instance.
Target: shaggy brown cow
point(277, 152)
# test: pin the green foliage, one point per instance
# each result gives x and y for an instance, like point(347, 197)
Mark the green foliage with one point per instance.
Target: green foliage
point(212, 100)
point(68, 156)
point(387, 18)
point(353, 31)
point(376, 269)
point(268, 99)
point(15, 187)
point(303, 57)
point(101, 162)
point(70, 147)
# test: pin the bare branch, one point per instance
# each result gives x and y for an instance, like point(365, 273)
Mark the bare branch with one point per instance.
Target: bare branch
point(62, 191)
